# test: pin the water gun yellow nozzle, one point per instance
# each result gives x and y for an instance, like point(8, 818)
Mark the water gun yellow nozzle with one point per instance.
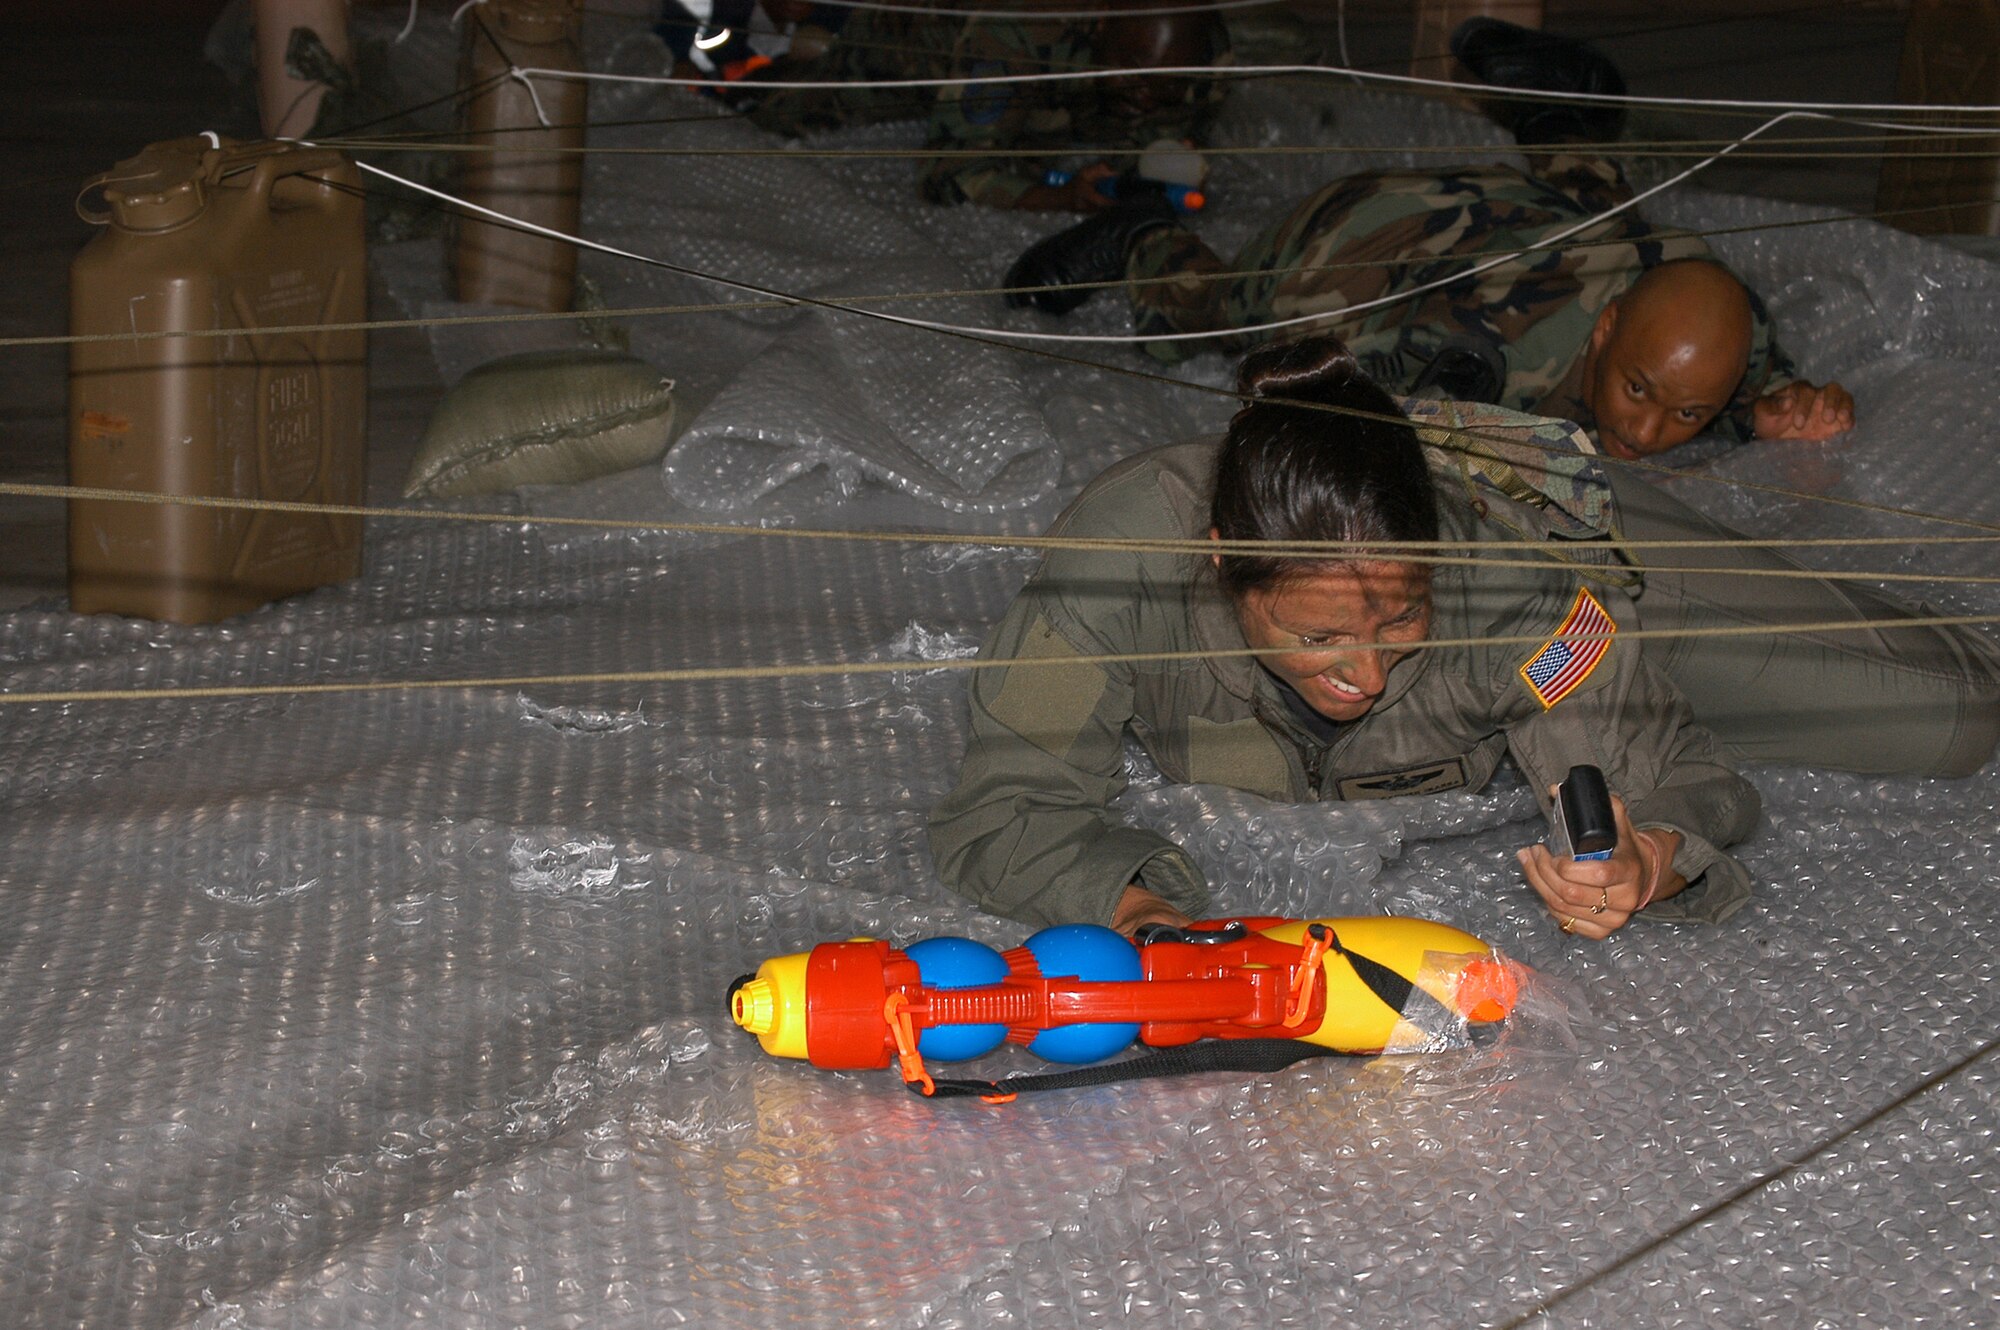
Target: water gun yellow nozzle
point(771, 1004)
point(755, 1006)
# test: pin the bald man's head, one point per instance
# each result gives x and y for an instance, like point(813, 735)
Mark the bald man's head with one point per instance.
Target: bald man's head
point(1145, 41)
point(1665, 357)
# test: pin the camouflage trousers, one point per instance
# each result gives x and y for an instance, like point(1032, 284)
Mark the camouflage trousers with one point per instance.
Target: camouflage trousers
point(1382, 235)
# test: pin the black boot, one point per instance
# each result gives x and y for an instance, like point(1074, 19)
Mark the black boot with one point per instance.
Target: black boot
point(1091, 251)
point(1507, 55)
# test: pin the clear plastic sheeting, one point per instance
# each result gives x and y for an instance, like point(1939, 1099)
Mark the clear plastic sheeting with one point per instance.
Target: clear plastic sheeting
point(407, 1006)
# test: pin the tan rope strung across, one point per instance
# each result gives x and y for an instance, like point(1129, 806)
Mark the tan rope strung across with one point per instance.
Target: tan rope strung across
point(722, 115)
point(1402, 551)
point(1840, 112)
point(1097, 12)
point(737, 306)
point(1814, 147)
point(738, 673)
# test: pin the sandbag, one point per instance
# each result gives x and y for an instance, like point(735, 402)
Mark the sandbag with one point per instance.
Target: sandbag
point(543, 418)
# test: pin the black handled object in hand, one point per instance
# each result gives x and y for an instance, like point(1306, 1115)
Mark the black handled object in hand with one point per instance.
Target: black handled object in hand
point(1583, 814)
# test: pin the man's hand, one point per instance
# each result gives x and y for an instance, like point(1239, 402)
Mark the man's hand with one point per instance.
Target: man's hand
point(1801, 411)
point(1079, 194)
point(1085, 191)
point(1596, 898)
point(1140, 906)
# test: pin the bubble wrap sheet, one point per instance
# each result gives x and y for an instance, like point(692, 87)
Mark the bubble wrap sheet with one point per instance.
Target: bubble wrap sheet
point(406, 1007)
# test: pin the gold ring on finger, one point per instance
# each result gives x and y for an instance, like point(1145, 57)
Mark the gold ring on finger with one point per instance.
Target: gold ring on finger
point(1568, 924)
point(1603, 902)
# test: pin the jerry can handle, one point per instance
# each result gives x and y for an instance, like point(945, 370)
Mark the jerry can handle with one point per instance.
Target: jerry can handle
point(278, 165)
point(99, 216)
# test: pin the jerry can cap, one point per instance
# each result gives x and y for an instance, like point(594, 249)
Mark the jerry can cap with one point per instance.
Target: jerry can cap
point(164, 186)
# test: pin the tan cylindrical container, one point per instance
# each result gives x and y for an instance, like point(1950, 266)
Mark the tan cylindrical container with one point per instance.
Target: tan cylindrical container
point(203, 234)
point(288, 105)
point(532, 173)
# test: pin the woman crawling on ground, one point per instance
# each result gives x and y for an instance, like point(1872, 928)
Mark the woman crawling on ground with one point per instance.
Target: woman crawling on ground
point(1389, 665)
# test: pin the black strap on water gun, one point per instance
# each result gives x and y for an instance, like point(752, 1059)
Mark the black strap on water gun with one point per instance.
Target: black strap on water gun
point(1256, 1055)
point(1415, 1005)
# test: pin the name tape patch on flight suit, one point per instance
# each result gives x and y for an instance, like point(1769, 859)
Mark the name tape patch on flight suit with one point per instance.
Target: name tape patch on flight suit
point(1430, 778)
point(1555, 671)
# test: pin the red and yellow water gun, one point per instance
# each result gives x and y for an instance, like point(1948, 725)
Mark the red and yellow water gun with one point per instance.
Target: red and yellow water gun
point(1079, 993)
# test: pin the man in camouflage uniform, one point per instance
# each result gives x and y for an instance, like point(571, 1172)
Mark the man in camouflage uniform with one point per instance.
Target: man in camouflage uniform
point(971, 118)
point(1381, 234)
point(1064, 119)
point(1541, 332)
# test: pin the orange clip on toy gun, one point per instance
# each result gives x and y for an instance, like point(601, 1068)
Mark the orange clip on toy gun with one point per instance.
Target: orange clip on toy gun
point(1080, 993)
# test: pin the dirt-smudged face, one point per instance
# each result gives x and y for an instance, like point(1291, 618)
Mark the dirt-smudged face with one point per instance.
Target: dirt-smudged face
point(1336, 628)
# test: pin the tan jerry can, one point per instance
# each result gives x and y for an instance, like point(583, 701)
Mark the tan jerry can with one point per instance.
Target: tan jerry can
point(263, 244)
point(520, 167)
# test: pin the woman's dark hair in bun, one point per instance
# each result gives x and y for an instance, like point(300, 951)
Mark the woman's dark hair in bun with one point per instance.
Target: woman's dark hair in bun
point(1292, 473)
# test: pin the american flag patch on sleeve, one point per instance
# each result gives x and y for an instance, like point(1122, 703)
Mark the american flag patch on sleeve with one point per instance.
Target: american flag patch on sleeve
point(1554, 672)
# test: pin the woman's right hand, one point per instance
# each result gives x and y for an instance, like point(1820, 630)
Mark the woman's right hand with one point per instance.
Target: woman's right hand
point(1595, 899)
